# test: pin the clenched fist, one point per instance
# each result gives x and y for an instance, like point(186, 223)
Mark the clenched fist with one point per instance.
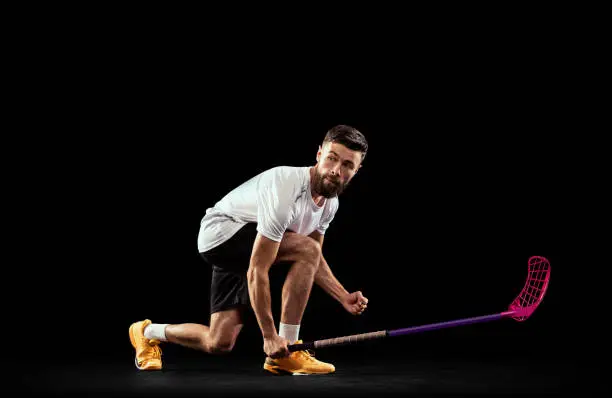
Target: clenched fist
point(355, 303)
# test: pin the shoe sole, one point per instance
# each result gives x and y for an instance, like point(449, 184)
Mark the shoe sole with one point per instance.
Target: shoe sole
point(276, 370)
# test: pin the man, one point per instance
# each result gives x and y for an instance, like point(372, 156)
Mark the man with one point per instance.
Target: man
point(278, 216)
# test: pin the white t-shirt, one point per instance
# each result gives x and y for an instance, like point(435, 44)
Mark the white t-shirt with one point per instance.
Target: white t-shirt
point(277, 199)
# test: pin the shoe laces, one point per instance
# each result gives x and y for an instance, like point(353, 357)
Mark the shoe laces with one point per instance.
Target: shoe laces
point(307, 355)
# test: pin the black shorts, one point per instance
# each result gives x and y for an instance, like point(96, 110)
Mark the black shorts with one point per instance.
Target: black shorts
point(230, 262)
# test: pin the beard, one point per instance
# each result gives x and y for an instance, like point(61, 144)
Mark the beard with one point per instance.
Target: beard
point(326, 185)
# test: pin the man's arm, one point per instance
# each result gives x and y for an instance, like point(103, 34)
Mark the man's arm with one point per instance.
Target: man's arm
point(263, 255)
point(324, 276)
point(355, 302)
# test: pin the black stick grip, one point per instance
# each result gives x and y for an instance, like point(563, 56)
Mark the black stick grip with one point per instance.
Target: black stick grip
point(301, 347)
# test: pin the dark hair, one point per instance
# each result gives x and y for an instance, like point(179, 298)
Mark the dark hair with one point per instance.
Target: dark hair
point(348, 136)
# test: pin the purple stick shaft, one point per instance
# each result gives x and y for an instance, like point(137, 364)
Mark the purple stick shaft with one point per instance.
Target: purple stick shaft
point(442, 325)
point(397, 332)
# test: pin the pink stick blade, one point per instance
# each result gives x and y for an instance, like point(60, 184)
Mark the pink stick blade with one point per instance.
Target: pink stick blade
point(538, 277)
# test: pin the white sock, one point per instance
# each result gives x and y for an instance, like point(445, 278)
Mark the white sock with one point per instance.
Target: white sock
point(290, 332)
point(156, 331)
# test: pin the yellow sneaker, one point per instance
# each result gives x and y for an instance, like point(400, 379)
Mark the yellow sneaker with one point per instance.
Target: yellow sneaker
point(298, 363)
point(148, 353)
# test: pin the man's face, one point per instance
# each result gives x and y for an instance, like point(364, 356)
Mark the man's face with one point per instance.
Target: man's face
point(336, 166)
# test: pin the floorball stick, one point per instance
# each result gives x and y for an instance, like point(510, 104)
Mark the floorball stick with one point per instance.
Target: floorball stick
point(521, 308)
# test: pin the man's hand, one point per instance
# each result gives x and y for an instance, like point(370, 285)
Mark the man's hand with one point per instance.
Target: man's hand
point(276, 347)
point(355, 303)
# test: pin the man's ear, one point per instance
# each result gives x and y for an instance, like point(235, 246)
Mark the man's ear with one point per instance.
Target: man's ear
point(319, 153)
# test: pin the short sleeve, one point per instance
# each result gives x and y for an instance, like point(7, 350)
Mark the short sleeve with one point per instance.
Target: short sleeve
point(277, 192)
point(328, 216)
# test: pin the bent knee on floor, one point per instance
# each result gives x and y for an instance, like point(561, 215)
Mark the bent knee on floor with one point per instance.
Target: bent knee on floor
point(221, 346)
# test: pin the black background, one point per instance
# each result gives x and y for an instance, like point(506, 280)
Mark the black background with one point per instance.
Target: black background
point(473, 167)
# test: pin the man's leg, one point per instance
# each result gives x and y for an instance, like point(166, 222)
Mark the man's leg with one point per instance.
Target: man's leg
point(229, 296)
point(304, 254)
point(219, 338)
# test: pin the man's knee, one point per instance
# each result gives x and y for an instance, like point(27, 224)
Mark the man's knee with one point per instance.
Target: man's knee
point(300, 248)
point(221, 345)
point(224, 329)
point(310, 251)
